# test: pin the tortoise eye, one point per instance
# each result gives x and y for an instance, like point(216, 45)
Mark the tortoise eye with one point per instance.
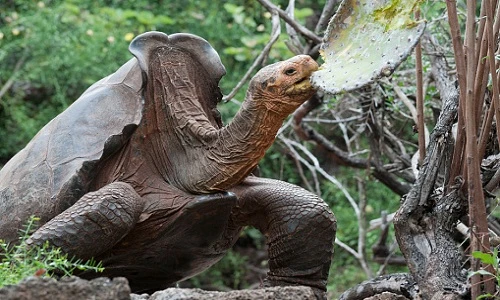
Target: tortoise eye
point(290, 72)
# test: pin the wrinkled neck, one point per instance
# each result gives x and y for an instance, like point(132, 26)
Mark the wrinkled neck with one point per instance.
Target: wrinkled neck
point(205, 159)
point(255, 125)
point(242, 144)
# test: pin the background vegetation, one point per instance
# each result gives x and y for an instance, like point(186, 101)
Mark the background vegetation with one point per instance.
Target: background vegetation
point(51, 51)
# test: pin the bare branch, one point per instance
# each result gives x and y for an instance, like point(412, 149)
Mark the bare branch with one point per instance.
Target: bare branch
point(325, 174)
point(492, 36)
point(305, 132)
point(299, 28)
point(475, 195)
point(461, 71)
point(347, 248)
point(413, 110)
point(300, 160)
point(10, 81)
point(376, 223)
point(326, 15)
point(293, 43)
point(328, 121)
point(362, 227)
point(422, 138)
point(275, 33)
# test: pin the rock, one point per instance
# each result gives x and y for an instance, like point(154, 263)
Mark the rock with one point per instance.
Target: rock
point(387, 296)
point(43, 288)
point(270, 293)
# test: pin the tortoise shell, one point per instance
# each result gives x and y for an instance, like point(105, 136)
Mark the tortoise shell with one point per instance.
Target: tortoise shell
point(57, 166)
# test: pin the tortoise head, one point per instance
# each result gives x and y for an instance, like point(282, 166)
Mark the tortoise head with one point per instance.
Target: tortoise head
point(285, 85)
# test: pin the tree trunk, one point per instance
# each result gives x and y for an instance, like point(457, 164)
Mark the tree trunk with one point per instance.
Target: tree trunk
point(425, 222)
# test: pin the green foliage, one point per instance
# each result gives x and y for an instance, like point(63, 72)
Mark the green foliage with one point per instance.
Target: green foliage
point(62, 47)
point(20, 261)
point(490, 259)
point(277, 165)
point(229, 272)
point(61, 51)
point(250, 45)
point(344, 273)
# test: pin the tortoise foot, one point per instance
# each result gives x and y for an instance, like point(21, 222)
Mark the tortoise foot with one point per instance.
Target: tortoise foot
point(95, 223)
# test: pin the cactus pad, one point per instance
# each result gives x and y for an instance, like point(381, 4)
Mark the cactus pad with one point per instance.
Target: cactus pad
point(365, 40)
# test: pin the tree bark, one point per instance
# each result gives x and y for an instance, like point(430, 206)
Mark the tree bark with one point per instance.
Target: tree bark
point(399, 284)
point(426, 220)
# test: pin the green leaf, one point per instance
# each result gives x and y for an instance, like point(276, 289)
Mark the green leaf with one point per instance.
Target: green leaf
point(486, 258)
point(485, 296)
point(480, 272)
point(233, 9)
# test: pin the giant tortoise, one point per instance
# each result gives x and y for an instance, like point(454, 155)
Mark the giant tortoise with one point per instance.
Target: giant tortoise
point(139, 172)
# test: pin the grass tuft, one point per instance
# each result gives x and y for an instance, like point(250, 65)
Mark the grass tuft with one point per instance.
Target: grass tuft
point(20, 261)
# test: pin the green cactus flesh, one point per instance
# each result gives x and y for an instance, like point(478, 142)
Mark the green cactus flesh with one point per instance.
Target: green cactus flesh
point(365, 40)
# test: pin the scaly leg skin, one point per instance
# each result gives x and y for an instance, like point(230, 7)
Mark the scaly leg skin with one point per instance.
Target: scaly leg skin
point(299, 227)
point(94, 224)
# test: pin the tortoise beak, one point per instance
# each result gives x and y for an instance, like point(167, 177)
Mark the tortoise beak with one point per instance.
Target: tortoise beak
point(307, 66)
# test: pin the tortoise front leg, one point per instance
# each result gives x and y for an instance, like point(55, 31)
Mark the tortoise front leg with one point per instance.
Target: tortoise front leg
point(299, 227)
point(95, 223)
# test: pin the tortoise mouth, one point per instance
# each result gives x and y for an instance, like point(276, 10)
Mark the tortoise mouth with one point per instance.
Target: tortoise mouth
point(305, 80)
point(301, 86)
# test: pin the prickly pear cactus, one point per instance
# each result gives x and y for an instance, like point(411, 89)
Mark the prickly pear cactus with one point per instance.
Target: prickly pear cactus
point(366, 39)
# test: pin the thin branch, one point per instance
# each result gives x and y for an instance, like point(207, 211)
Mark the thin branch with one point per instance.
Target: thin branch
point(297, 157)
point(485, 130)
point(422, 131)
point(481, 66)
point(307, 133)
point(11, 79)
point(336, 121)
point(275, 33)
point(326, 15)
point(298, 164)
point(362, 226)
point(413, 111)
point(376, 223)
point(347, 248)
point(461, 71)
point(492, 35)
point(325, 174)
point(481, 78)
point(477, 209)
point(299, 28)
point(294, 42)
point(394, 141)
